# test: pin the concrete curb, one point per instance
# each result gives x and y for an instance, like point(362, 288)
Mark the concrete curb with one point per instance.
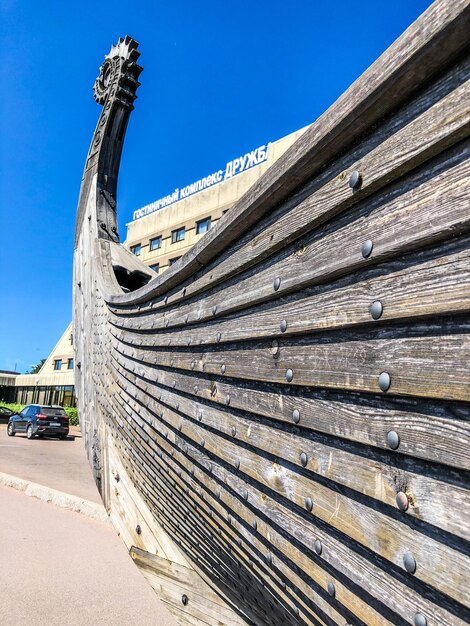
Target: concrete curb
point(59, 498)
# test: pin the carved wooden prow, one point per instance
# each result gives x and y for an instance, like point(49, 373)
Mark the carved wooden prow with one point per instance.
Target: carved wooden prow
point(115, 89)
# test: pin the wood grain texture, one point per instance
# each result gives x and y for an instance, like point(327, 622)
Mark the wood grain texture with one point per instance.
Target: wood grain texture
point(352, 517)
point(205, 473)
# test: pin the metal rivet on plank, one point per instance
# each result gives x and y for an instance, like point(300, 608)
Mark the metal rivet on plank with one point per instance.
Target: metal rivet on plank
point(245, 494)
point(275, 347)
point(402, 501)
point(409, 563)
point(227, 399)
point(218, 337)
point(303, 459)
point(318, 546)
point(289, 375)
point(283, 326)
point(184, 599)
point(203, 442)
point(138, 529)
point(296, 416)
point(420, 620)
point(376, 310)
point(385, 381)
point(237, 463)
point(393, 439)
point(355, 179)
point(308, 504)
point(366, 248)
point(222, 369)
point(234, 431)
point(277, 284)
point(254, 524)
point(214, 310)
point(331, 589)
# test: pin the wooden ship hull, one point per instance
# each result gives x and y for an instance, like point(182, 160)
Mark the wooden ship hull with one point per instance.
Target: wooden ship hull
point(278, 424)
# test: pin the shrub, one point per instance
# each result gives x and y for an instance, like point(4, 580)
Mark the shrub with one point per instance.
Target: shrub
point(73, 415)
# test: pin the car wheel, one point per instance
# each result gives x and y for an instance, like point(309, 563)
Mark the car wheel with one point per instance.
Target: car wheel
point(10, 430)
point(29, 432)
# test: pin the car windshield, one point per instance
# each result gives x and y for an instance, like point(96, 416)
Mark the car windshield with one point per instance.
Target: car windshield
point(52, 411)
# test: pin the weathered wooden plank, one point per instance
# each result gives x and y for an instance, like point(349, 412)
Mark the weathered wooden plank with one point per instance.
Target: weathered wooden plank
point(351, 517)
point(349, 599)
point(354, 417)
point(127, 511)
point(417, 366)
point(136, 460)
point(405, 289)
point(335, 552)
point(196, 535)
point(183, 583)
point(371, 476)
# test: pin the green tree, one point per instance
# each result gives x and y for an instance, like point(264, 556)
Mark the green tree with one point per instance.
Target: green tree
point(35, 369)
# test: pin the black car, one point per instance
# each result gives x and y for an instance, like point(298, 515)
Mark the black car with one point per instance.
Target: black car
point(40, 420)
point(5, 412)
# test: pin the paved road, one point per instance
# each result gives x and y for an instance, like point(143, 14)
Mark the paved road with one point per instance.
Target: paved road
point(57, 566)
point(61, 568)
point(62, 465)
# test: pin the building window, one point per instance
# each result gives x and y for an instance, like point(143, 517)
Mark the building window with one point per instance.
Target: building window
point(137, 249)
point(155, 267)
point(202, 226)
point(58, 364)
point(173, 261)
point(155, 243)
point(70, 364)
point(178, 234)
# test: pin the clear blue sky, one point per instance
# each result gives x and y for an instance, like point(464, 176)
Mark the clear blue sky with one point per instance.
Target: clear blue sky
point(219, 79)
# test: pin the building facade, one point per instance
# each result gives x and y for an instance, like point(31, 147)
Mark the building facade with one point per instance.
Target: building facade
point(163, 231)
point(53, 384)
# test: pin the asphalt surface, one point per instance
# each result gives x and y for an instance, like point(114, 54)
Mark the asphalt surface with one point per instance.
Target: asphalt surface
point(62, 465)
point(58, 566)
